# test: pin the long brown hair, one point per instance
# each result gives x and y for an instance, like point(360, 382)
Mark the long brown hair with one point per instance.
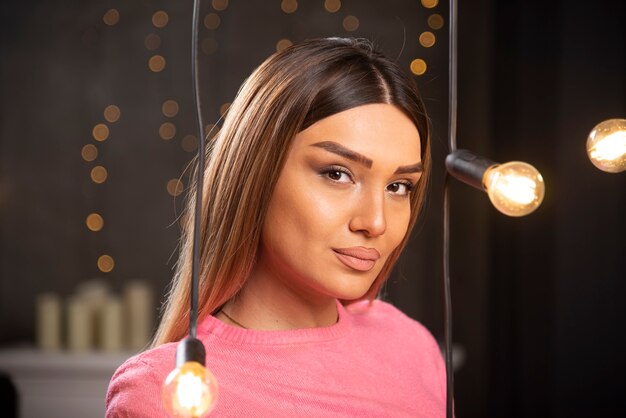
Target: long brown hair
point(289, 92)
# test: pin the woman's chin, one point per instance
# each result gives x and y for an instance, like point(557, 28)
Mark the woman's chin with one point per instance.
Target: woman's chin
point(351, 290)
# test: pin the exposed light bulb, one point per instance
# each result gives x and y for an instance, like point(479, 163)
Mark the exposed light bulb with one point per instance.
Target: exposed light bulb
point(514, 188)
point(606, 145)
point(189, 391)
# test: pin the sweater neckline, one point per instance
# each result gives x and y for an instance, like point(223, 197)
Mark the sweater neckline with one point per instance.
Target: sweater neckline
point(213, 327)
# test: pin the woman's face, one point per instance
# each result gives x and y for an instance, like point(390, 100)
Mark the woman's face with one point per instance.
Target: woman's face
point(342, 203)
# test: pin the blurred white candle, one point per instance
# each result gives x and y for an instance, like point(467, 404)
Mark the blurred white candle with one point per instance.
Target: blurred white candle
point(48, 321)
point(111, 332)
point(79, 325)
point(138, 306)
point(94, 293)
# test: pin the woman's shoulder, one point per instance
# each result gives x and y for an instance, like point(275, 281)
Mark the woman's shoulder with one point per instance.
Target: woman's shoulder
point(385, 329)
point(140, 377)
point(390, 322)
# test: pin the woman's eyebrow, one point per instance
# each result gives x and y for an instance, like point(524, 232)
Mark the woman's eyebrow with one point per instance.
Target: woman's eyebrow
point(339, 149)
point(406, 169)
point(342, 151)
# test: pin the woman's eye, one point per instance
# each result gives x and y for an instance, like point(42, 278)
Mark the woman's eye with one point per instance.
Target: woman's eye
point(337, 175)
point(401, 189)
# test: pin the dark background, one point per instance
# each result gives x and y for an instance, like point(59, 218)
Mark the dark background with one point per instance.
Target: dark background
point(538, 301)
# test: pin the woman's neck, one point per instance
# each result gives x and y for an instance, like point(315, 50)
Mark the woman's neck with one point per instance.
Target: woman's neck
point(269, 303)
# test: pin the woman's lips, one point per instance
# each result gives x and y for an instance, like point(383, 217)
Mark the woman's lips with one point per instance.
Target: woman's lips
point(357, 258)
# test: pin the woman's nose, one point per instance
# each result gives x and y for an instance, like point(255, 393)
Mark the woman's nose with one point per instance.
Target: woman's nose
point(369, 215)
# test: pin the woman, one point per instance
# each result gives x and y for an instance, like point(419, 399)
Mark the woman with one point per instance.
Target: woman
point(312, 188)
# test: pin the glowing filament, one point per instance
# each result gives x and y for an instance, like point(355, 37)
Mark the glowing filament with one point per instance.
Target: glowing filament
point(610, 148)
point(515, 188)
point(190, 391)
point(518, 189)
point(606, 145)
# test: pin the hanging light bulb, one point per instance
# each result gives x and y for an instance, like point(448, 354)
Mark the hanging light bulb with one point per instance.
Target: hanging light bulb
point(515, 188)
point(190, 390)
point(606, 145)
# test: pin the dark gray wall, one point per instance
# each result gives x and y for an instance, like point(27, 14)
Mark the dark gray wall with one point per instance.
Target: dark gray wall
point(556, 311)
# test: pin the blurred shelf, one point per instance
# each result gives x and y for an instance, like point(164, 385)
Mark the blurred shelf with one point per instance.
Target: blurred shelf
point(60, 384)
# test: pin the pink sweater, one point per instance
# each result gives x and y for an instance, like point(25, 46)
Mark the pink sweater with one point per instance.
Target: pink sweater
point(373, 362)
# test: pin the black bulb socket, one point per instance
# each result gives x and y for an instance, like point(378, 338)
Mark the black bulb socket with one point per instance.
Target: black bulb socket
point(468, 167)
point(190, 349)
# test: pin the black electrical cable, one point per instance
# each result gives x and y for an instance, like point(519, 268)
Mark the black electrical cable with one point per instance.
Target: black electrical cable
point(447, 301)
point(191, 349)
point(452, 76)
point(452, 116)
point(195, 266)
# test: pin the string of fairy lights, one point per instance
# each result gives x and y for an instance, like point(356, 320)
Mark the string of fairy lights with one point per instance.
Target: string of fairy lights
point(427, 38)
point(98, 173)
point(170, 108)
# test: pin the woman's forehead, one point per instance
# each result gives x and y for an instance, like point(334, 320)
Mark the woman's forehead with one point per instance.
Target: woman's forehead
point(374, 131)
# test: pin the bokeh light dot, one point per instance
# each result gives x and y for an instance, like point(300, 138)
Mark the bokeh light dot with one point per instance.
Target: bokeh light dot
point(167, 131)
point(160, 19)
point(429, 4)
point(224, 108)
point(350, 23)
point(156, 63)
point(99, 174)
point(189, 143)
point(106, 263)
point(94, 222)
point(282, 44)
point(332, 6)
point(174, 187)
point(418, 66)
point(435, 21)
point(427, 39)
point(219, 4)
point(152, 42)
point(212, 21)
point(112, 113)
point(289, 6)
point(100, 132)
point(89, 152)
point(111, 17)
point(169, 108)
